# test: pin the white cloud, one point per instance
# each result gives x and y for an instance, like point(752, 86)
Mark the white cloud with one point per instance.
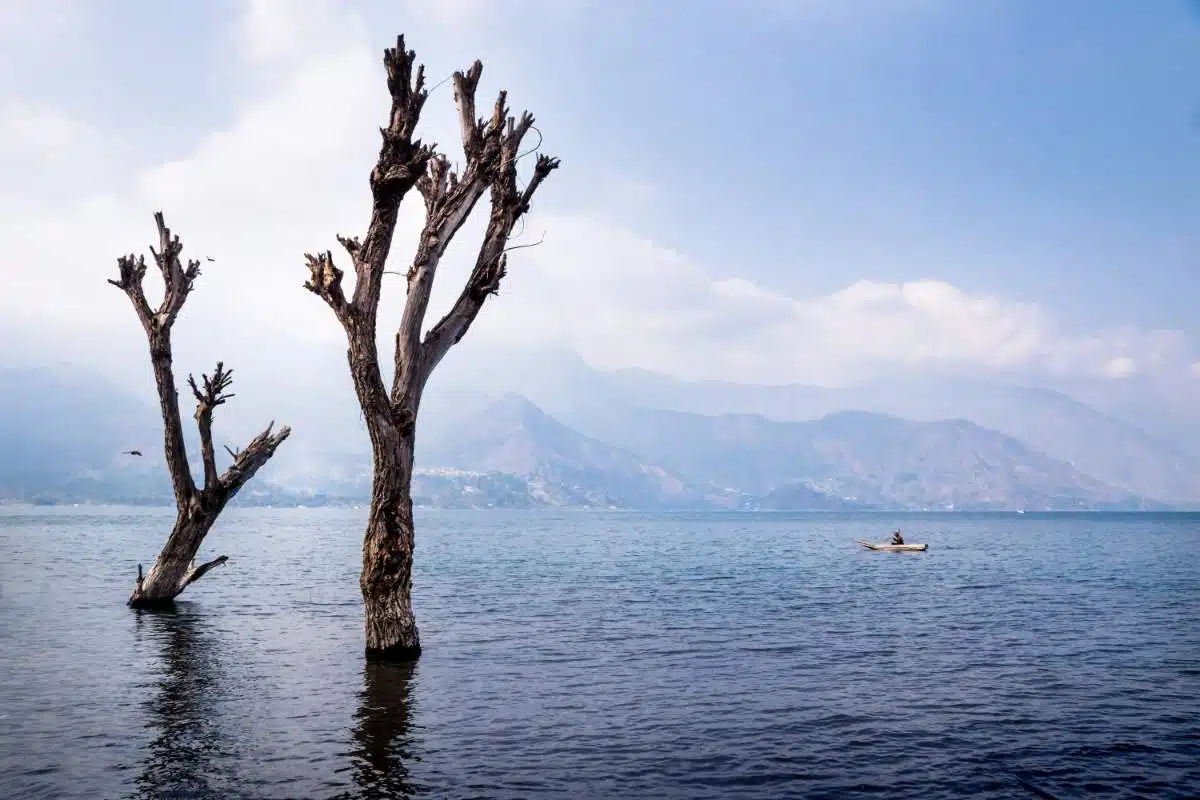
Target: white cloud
point(1120, 367)
point(281, 33)
point(46, 151)
point(484, 13)
point(35, 19)
point(29, 130)
point(622, 301)
point(289, 171)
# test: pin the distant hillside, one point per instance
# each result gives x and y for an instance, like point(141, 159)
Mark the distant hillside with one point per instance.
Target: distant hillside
point(563, 467)
point(1110, 450)
point(801, 497)
point(863, 458)
point(62, 429)
point(1165, 405)
point(63, 432)
point(843, 461)
point(1105, 448)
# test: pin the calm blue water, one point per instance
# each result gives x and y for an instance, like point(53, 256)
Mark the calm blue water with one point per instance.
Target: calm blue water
point(609, 655)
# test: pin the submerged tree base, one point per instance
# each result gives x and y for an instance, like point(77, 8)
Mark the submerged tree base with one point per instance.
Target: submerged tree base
point(391, 629)
point(152, 604)
point(167, 579)
point(396, 654)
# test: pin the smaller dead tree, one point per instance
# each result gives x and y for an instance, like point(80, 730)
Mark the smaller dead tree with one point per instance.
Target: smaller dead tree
point(198, 507)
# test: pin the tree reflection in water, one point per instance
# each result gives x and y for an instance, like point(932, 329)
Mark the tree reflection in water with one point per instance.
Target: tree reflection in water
point(181, 760)
point(188, 754)
point(381, 732)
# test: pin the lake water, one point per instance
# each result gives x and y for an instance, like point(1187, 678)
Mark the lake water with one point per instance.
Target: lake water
point(593, 655)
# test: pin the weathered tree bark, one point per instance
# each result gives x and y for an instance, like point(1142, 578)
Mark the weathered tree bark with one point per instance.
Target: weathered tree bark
point(492, 150)
point(198, 508)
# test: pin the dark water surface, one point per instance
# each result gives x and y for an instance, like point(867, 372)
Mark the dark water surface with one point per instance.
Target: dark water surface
point(608, 655)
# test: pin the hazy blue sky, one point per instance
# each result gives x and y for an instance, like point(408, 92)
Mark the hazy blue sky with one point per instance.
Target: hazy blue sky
point(816, 190)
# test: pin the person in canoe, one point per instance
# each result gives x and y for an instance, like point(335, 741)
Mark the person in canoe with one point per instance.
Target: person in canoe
point(896, 538)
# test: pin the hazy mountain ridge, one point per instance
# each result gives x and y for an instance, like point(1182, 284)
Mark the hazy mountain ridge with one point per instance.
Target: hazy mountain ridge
point(515, 437)
point(475, 451)
point(845, 461)
point(868, 459)
point(1108, 449)
point(64, 430)
point(64, 427)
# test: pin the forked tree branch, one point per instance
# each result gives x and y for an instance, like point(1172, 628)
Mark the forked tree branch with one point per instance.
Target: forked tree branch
point(177, 283)
point(212, 391)
point(131, 274)
point(325, 281)
point(196, 574)
point(250, 459)
point(402, 162)
point(212, 395)
point(492, 150)
point(449, 201)
point(491, 265)
point(177, 280)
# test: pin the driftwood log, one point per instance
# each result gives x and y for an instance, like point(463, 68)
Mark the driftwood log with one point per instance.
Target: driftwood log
point(491, 147)
point(198, 507)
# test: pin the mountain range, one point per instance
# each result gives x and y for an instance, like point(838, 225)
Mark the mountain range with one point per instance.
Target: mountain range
point(653, 458)
point(579, 437)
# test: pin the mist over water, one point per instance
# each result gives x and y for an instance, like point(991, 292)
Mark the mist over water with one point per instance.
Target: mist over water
point(608, 655)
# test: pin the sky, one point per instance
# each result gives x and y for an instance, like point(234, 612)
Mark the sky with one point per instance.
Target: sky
point(819, 191)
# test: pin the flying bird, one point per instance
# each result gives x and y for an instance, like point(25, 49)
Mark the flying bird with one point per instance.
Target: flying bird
point(209, 258)
point(132, 453)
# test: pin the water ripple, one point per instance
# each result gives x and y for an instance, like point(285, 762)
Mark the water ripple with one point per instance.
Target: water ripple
point(608, 655)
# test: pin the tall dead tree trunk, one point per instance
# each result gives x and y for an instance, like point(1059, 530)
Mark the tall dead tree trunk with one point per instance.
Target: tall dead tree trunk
point(492, 150)
point(198, 507)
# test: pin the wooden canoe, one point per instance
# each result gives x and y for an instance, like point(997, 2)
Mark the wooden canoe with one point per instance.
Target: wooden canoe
point(893, 548)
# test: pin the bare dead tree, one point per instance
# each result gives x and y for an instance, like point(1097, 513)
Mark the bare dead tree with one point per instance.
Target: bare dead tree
point(492, 150)
point(198, 507)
